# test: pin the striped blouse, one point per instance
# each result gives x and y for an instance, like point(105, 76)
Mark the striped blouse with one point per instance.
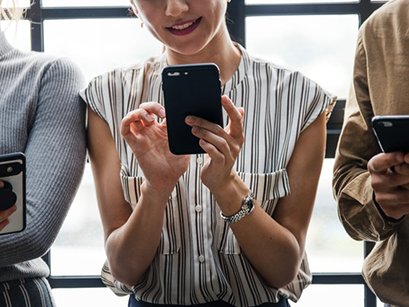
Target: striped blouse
point(198, 259)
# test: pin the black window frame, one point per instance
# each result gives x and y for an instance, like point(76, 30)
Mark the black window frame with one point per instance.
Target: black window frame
point(238, 10)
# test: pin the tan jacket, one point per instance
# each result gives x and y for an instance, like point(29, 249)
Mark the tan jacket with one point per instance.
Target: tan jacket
point(380, 86)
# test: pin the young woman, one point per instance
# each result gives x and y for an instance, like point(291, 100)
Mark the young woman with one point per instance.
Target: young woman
point(166, 240)
point(41, 115)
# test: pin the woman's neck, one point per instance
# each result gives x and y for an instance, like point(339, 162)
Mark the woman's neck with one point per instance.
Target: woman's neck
point(220, 51)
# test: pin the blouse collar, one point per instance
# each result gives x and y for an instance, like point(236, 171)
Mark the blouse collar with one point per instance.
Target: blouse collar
point(237, 78)
point(240, 73)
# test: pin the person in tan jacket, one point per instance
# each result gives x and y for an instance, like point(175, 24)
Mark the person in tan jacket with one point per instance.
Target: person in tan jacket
point(371, 187)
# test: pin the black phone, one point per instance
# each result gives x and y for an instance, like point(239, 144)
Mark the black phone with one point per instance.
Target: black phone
point(190, 89)
point(392, 132)
point(13, 175)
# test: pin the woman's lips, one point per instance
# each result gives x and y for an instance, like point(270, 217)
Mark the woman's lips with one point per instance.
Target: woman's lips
point(184, 28)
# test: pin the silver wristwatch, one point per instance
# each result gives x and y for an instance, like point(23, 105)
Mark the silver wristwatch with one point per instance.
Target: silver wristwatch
point(247, 207)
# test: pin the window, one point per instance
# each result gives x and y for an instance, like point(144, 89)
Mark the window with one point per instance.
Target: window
point(316, 37)
point(319, 46)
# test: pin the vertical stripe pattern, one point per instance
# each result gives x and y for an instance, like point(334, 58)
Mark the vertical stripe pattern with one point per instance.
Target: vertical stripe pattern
point(199, 260)
point(29, 292)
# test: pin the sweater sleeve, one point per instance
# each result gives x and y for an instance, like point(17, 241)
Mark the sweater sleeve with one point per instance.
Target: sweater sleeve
point(55, 155)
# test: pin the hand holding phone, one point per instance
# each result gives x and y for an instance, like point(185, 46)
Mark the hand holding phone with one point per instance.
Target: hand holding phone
point(12, 174)
point(192, 89)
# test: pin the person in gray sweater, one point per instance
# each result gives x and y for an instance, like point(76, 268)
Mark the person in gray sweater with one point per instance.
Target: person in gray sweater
point(41, 115)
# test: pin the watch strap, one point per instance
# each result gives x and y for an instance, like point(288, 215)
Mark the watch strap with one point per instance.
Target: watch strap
point(247, 207)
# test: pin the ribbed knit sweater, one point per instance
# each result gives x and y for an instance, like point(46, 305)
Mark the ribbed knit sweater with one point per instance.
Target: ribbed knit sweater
point(41, 114)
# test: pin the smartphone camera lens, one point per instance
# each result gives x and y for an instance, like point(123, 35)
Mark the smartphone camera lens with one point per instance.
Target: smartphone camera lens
point(387, 124)
point(10, 169)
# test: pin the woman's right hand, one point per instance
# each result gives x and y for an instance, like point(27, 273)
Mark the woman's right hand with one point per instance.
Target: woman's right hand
point(148, 140)
point(5, 214)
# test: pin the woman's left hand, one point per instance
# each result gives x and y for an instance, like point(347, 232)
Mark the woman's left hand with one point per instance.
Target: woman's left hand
point(221, 145)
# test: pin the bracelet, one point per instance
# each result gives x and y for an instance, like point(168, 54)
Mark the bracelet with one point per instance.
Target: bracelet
point(247, 206)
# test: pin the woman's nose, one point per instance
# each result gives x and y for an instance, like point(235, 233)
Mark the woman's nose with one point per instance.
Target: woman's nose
point(176, 7)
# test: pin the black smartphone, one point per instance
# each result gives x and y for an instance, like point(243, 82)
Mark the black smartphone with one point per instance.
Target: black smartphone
point(191, 89)
point(392, 132)
point(13, 175)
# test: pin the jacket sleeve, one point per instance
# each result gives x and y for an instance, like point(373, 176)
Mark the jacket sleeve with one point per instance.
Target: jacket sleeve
point(55, 155)
point(358, 212)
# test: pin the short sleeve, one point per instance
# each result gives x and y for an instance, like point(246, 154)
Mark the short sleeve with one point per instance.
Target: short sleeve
point(94, 94)
point(318, 101)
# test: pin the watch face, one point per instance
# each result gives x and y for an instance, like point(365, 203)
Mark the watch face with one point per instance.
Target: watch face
point(246, 208)
point(248, 204)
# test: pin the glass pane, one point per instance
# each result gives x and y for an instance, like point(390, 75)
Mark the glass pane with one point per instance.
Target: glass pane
point(332, 295)
point(79, 248)
point(15, 3)
point(329, 248)
point(321, 47)
point(296, 1)
point(17, 33)
point(101, 297)
point(83, 3)
point(100, 45)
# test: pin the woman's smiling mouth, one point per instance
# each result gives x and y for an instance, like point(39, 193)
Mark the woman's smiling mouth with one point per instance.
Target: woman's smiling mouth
point(184, 28)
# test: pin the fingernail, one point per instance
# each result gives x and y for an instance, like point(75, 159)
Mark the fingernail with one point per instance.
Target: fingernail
point(190, 119)
point(162, 113)
point(195, 129)
point(149, 117)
